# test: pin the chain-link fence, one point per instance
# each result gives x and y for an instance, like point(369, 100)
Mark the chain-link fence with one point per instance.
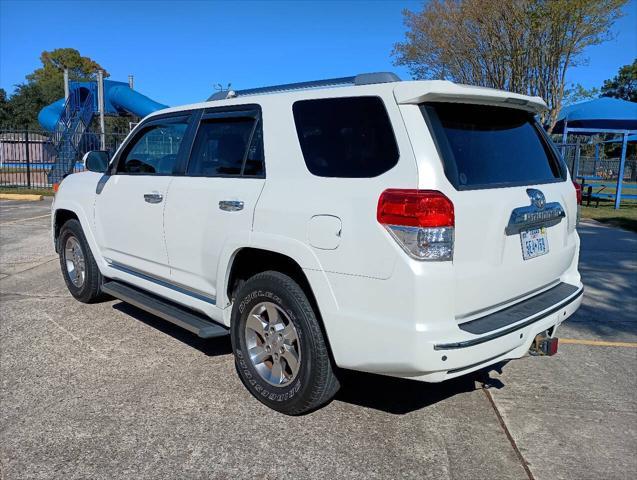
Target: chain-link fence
point(607, 168)
point(590, 167)
point(570, 153)
point(27, 156)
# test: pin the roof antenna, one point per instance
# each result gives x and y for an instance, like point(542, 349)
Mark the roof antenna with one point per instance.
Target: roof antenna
point(222, 93)
point(219, 88)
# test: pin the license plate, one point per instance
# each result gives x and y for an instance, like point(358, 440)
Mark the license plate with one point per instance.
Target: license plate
point(534, 243)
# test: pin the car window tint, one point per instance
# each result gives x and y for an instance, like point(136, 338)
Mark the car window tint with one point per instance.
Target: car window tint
point(155, 151)
point(486, 146)
point(220, 147)
point(345, 137)
point(254, 166)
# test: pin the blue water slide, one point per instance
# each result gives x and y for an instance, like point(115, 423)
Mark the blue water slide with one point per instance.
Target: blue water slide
point(69, 120)
point(119, 98)
point(49, 115)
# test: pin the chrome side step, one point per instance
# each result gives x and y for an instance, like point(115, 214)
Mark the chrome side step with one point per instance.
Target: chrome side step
point(180, 316)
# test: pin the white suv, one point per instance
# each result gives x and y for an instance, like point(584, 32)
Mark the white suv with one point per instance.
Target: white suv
point(418, 229)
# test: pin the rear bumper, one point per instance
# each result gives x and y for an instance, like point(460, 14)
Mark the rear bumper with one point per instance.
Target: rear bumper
point(417, 338)
point(516, 317)
point(407, 326)
point(508, 342)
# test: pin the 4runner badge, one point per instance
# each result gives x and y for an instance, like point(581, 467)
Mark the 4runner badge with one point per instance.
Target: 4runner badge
point(537, 198)
point(537, 215)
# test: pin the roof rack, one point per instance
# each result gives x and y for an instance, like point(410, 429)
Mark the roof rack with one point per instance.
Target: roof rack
point(360, 79)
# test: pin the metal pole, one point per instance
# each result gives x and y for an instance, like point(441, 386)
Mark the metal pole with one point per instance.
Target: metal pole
point(564, 137)
point(100, 104)
point(131, 85)
point(620, 178)
point(596, 159)
point(576, 160)
point(27, 157)
point(66, 84)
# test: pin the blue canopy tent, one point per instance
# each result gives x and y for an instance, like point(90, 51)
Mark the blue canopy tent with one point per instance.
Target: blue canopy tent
point(602, 115)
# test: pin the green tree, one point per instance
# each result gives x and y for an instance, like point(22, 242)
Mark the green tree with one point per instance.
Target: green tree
point(524, 46)
point(5, 108)
point(50, 76)
point(577, 93)
point(623, 85)
point(46, 84)
point(25, 104)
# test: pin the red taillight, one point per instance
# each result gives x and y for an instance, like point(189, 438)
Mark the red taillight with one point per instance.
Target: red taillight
point(415, 208)
point(421, 221)
point(578, 192)
point(56, 186)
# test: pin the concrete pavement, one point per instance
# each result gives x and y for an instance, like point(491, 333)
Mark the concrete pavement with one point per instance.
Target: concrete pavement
point(108, 391)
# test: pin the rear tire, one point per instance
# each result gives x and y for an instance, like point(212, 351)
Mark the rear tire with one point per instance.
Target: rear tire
point(280, 352)
point(80, 272)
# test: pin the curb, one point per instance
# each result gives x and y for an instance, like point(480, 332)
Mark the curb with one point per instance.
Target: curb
point(21, 196)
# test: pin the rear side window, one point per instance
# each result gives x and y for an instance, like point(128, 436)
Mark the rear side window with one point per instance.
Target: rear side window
point(345, 137)
point(223, 147)
point(488, 147)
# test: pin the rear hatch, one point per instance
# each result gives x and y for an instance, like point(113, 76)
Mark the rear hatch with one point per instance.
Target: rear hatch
point(514, 208)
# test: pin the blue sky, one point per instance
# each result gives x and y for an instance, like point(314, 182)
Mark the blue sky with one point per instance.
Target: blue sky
point(177, 50)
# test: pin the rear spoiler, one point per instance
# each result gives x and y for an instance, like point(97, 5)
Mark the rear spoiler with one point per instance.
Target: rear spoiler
point(444, 91)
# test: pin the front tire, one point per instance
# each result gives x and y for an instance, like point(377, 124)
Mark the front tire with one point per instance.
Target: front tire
point(280, 353)
point(81, 274)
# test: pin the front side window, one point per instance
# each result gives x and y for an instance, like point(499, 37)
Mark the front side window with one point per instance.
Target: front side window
point(485, 146)
point(155, 151)
point(222, 147)
point(348, 137)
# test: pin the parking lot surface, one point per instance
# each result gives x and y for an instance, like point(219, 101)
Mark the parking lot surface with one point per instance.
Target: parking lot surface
point(109, 391)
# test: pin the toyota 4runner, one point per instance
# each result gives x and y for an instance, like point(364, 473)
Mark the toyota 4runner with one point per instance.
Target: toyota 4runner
point(418, 229)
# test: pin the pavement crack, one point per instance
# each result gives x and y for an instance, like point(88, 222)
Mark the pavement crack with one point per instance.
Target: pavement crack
point(75, 337)
point(9, 275)
point(517, 451)
point(26, 262)
point(32, 295)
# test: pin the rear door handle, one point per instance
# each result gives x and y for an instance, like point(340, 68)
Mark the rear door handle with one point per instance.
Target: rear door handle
point(231, 205)
point(153, 197)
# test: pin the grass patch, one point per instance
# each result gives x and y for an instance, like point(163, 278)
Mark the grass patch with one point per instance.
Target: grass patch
point(625, 217)
point(35, 191)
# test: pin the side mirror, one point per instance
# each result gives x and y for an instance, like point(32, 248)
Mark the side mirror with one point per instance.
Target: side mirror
point(96, 161)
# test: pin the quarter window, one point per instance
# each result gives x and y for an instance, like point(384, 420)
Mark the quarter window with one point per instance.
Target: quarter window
point(223, 147)
point(155, 151)
point(345, 137)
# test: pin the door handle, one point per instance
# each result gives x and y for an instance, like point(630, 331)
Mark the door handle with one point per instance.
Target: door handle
point(231, 205)
point(154, 197)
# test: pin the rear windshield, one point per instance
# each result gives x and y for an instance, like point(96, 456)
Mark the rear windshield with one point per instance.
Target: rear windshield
point(488, 147)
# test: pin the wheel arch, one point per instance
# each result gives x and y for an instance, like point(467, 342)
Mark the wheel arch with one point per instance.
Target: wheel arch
point(66, 209)
point(60, 217)
point(248, 261)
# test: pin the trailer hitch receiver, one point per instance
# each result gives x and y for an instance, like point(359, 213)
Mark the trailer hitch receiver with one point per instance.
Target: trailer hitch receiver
point(543, 344)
